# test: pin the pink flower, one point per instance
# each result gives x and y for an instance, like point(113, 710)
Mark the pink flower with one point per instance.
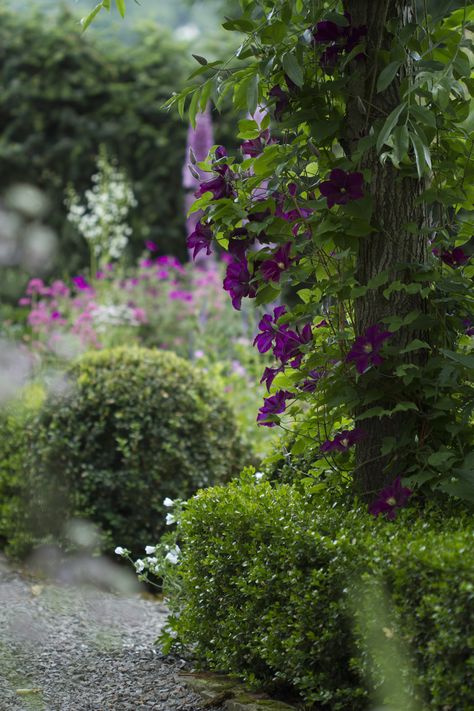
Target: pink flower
point(35, 286)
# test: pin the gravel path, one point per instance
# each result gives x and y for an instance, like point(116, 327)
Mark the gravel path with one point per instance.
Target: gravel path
point(65, 646)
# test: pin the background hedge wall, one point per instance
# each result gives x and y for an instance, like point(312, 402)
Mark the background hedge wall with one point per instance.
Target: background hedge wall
point(62, 94)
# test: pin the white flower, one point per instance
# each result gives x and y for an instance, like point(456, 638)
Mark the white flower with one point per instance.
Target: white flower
point(173, 555)
point(170, 519)
point(139, 565)
point(258, 476)
point(149, 549)
point(168, 502)
point(152, 560)
point(119, 550)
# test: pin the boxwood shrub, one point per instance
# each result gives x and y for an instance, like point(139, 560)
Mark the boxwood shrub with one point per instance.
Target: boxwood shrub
point(134, 426)
point(295, 590)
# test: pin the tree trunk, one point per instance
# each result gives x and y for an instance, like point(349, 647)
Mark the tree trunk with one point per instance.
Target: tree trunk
point(394, 206)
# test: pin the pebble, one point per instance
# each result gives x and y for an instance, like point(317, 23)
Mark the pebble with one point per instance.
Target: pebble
point(75, 648)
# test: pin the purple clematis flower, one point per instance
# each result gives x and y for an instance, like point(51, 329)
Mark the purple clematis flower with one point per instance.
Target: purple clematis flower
point(239, 242)
point(469, 327)
point(282, 101)
point(454, 257)
point(366, 349)
point(288, 344)
point(310, 384)
point(342, 187)
point(220, 152)
point(393, 497)
point(237, 282)
point(268, 330)
point(269, 375)
point(327, 31)
point(200, 239)
point(342, 441)
point(273, 405)
point(220, 186)
point(254, 147)
point(272, 268)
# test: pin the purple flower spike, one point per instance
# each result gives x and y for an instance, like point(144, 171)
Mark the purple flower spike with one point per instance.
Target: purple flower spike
point(272, 268)
point(366, 349)
point(200, 239)
point(342, 187)
point(273, 405)
point(237, 282)
point(342, 441)
point(267, 326)
point(391, 498)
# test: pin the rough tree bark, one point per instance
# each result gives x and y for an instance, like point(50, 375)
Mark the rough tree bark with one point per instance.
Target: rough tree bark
point(394, 206)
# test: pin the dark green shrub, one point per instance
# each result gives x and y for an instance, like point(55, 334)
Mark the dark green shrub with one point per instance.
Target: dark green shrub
point(136, 426)
point(274, 586)
point(64, 94)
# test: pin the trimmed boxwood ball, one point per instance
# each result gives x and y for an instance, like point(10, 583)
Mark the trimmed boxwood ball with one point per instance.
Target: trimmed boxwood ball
point(134, 426)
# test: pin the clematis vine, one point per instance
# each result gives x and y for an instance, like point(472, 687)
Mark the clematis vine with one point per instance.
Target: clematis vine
point(393, 497)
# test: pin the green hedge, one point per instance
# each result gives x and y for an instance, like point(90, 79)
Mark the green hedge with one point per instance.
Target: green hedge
point(134, 427)
point(285, 588)
point(64, 93)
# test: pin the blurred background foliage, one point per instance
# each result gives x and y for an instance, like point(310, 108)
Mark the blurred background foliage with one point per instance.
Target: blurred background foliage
point(64, 94)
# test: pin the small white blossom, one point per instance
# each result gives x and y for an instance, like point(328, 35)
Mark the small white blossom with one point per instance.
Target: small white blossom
point(168, 502)
point(119, 550)
point(170, 519)
point(139, 565)
point(173, 555)
point(149, 550)
point(258, 476)
point(152, 560)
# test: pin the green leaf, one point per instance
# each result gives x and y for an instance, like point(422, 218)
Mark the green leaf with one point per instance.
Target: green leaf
point(252, 94)
point(416, 345)
point(466, 360)
point(400, 138)
point(387, 75)
point(439, 458)
point(292, 68)
point(201, 60)
point(86, 21)
point(422, 155)
point(121, 6)
point(389, 125)
point(423, 115)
